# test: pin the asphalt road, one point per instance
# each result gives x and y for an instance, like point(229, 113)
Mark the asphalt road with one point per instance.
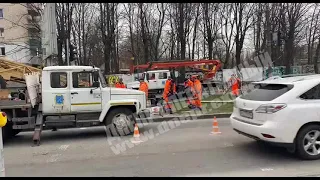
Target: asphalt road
point(185, 149)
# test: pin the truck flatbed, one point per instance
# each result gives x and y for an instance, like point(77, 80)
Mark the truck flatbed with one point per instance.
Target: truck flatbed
point(11, 104)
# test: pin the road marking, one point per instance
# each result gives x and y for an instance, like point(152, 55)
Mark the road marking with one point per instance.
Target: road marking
point(63, 147)
point(83, 128)
point(53, 158)
point(266, 169)
point(228, 144)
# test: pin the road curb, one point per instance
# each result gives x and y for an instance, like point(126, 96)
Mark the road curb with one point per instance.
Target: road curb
point(185, 117)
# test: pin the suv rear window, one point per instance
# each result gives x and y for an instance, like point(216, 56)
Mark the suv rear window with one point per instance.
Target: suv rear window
point(266, 92)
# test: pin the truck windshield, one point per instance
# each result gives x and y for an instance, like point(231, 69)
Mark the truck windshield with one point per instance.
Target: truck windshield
point(102, 80)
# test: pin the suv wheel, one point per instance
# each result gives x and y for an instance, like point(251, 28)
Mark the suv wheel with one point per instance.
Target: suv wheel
point(308, 142)
point(120, 122)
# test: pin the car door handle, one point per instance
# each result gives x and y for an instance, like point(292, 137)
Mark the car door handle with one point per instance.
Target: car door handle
point(74, 93)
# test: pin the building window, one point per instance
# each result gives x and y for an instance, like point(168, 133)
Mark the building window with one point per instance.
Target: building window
point(2, 51)
point(1, 32)
point(1, 13)
point(59, 80)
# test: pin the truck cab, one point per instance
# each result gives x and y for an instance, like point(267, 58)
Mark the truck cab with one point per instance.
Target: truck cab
point(156, 80)
point(82, 92)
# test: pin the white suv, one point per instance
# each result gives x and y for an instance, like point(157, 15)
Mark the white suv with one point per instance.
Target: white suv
point(283, 111)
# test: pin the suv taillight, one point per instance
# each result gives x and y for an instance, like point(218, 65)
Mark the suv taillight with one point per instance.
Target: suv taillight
point(270, 108)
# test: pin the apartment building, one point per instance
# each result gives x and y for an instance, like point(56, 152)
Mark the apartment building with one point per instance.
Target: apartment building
point(20, 38)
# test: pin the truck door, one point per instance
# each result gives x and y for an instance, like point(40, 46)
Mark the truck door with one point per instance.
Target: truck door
point(56, 92)
point(84, 96)
point(163, 77)
point(152, 80)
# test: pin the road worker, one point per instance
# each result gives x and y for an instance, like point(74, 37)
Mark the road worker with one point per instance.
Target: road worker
point(188, 84)
point(235, 83)
point(197, 91)
point(169, 90)
point(120, 84)
point(144, 87)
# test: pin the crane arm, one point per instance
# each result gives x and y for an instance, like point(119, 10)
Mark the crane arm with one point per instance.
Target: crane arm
point(209, 73)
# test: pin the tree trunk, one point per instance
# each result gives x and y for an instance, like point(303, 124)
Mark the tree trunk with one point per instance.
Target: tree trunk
point(144, 35)
point(289, 49)
point(181, 32)
point(85, 60)
point(317, 58)
point(195, 31)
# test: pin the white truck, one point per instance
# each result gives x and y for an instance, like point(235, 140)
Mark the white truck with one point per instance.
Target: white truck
point(73, 96)
point(156, 80)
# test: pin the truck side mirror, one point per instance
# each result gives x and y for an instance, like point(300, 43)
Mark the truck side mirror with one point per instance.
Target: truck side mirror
point(96, 84)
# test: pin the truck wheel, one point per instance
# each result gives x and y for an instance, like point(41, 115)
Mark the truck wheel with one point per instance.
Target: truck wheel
point(308, 142)
point(120, 122)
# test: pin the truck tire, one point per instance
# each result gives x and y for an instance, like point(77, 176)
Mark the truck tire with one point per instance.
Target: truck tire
point(120, 122)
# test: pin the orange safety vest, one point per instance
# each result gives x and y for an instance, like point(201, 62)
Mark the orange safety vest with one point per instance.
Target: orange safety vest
point(197, 89)
point(144, 87)
point(169, 87)
point(235, 83)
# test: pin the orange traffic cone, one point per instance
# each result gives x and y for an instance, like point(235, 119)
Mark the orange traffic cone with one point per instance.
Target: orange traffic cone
point(215, 128)
point(136, 135)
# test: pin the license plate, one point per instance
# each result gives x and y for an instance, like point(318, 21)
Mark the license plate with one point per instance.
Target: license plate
point(246, 113)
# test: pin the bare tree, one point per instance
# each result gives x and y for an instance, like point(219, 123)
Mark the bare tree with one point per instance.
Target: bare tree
point(195, 28)
point(292, 16)
point(243, 13)
point(64, 13)
point(104, 27)
point(211, 25)
point(227, 27)
point(129, 9)
point(311, 30)
point(144, 35)
point(162, 10)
